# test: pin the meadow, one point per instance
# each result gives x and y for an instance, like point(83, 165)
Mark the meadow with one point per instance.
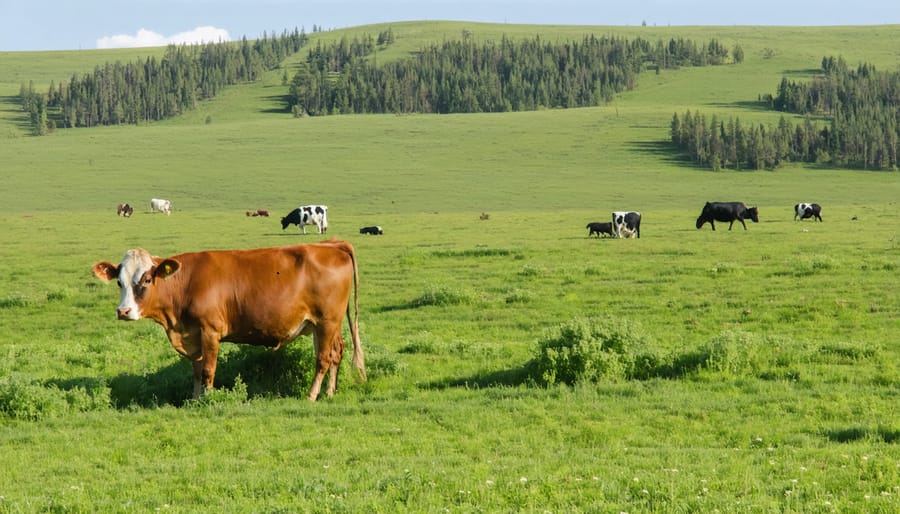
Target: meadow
point(775, 367)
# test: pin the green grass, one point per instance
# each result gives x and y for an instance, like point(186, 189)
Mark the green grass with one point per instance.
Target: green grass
point(777, 378)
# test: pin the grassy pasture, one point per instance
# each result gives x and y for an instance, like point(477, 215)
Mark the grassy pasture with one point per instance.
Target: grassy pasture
point(781, 385)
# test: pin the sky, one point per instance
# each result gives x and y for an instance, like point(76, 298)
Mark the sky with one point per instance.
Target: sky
point(88, 24)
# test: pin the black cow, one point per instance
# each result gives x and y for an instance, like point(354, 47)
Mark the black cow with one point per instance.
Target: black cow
point(626, 224)
point(307, 215)
point(727, 211)
point(372, 231)
point(599, 228)
point(807, 210)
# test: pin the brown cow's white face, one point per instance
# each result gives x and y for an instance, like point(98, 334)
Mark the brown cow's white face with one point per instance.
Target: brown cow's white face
point(134, 276)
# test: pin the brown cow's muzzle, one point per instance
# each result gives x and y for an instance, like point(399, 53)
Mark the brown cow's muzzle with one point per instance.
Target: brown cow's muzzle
point(124, 313)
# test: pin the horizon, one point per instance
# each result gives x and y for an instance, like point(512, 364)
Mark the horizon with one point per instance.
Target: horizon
point(100, 24)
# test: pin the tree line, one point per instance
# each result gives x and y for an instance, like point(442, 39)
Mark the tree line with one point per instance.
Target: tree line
point(463, 76)
point(154, 89)
point(863, 107)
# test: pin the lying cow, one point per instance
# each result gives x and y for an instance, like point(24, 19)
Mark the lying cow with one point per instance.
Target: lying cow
point(307, 215)
point(599, 228)
point(373, 231)
point(160, 205)
point(626, 224)
point(265, 297)
point(123, 209)
point(258, 212)
point(727, 211)
point(807, 210)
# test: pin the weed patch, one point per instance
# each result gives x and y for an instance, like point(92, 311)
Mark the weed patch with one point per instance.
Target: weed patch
point(590, 350)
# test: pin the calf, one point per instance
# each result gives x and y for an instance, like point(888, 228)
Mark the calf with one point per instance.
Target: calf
point(598, 228)
point(807, 210)
point(626, 224)
point(123, 209)
point(727, 211)
point(373, 231)
point(307, 215)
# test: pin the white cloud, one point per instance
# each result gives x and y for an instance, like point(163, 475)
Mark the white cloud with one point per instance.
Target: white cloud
point(146, 37)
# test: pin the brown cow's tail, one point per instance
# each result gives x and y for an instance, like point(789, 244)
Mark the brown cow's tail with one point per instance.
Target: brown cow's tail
point(353, 321)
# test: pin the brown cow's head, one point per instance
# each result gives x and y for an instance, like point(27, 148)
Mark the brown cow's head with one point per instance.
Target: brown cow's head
point(136, 276)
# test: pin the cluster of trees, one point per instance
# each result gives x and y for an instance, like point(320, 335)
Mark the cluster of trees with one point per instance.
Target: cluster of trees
point(155, 89)
point(864, 129)
point(465, 76)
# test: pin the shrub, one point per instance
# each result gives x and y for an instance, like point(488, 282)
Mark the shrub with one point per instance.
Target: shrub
point(29, 400)
point(444, 295)
point(591, 350)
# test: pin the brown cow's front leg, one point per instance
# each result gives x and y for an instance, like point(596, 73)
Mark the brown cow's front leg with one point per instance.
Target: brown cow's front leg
point(205, 367)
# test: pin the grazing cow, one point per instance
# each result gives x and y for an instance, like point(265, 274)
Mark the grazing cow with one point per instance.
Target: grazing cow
point(160, 205)
point(727, 211)
point(266, 297)
point(123, 209)
point(626, 224)
point(807, 210)
point(307, 215)
point(599, 228)
point(374, 231)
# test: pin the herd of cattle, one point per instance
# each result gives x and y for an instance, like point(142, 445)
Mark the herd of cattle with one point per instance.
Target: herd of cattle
point(301, 216)
point(271, 296)
point(627, 224)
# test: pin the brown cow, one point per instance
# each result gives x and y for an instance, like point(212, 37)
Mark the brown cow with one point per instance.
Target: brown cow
point(266, 297)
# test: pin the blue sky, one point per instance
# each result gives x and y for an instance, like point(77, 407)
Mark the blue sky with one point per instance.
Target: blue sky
point(86, 24)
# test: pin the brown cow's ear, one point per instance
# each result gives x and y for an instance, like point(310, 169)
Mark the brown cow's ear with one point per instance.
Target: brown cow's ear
point(167, 268)
point(106, 271)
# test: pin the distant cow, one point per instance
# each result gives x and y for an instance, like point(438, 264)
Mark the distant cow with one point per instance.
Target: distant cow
point(258, 212)
point(373, 231)
point(160, 205)
point(123, 209)
point(727, 211)
point(626, 224)
point(599, 228)
point(807, 210)
point(266, 297)
point(307, 215)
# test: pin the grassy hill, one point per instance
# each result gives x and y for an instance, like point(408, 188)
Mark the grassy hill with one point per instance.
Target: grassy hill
point(776, 374)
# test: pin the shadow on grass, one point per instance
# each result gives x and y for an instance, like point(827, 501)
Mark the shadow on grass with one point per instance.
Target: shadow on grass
point(853, 434)
point(745, 105)
point(663, 150)
point(678, 367)
point(287, 372)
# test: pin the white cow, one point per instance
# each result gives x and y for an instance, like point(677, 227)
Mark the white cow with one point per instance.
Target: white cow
point(160, 205)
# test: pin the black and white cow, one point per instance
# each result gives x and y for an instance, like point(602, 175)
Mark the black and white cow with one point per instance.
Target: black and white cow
point(727, 211)
point(307, 215)
point(807, 210)
point(372, 231)
point(626, 224)
point(599, 228)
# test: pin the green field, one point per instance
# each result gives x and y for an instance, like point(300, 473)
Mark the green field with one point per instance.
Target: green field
point(777, 374)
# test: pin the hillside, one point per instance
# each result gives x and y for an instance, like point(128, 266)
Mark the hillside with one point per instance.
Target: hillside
point(734, 371)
